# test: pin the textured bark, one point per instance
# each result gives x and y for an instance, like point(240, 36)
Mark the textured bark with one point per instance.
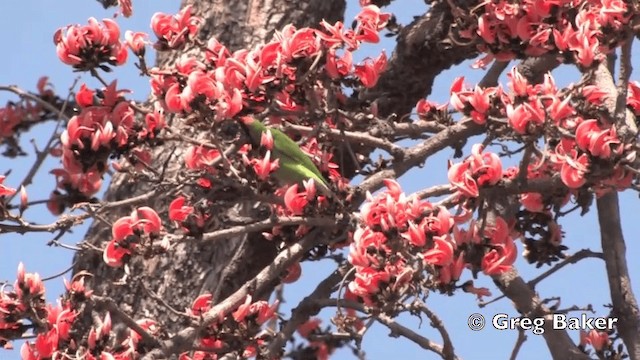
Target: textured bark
point(192, 268)
point(425, 49)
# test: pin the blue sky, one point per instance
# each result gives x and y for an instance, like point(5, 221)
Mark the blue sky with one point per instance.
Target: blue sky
point(29, 25)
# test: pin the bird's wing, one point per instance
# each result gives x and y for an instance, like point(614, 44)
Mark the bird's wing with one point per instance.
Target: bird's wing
point(288, 151)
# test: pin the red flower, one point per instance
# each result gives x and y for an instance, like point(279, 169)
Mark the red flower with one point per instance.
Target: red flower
point(519, 84)
point(136, 41)
point(201, 158)
point(337, 67)
point(86, 47)
point(524, 115)
point(597, 339)
point(263, 168)
point(363, 240)
point(266, 140)
point(261, 309)
point(174, 31)
point(574, 170)
point(370, 22)
point(503, 250)
point(477, 170)
point(599, 142)
point(452, 272)
point(113, 254)
point(292, 274)
point(416, 235)
point(294, 201)
point(4, 190)
point(126, 8)
point(532, 202)
point(148, 220)
point(178, 211)
point(368, 282)
point(28, 284)
point(308, 327)
point(126, 232)
point(487, 167)
point(369, 72)
point(84, 96)
point(336, 36)
point(201, 305)
point(442, 252)
point(77, 287)
point(45, 346)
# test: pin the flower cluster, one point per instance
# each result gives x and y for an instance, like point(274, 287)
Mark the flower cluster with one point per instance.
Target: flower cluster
point(542, 109)
point(129, 233)
point(56, 334)
point(190, 219)
point(17, 116)
point(241, 328)
point(582, 31)
point(200, 158)
point(105, 127)
point(173, 31)
point(90, 46)
point(100, 127)
point(226, 82)
point(402, 236)
point(477, 170)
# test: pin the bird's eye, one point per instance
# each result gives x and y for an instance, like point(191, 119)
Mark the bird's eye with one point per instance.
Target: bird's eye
point(229, 131)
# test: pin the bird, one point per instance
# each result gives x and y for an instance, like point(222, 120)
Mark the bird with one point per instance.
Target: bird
point(294, 165)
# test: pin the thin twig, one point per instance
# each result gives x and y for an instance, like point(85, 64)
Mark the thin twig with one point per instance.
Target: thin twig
point(447, 350)
point(305, 309)
point(522, 337)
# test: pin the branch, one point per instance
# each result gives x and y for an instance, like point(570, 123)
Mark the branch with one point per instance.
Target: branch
point(624, 121)
point(434, 191)
point(352, 136)
point(66, 222)
point(525, 299)
point(522, 337)
point(413, 129)
point(529, 304)
point(425, 49)
point(27, 95)
point(616, 99)
point(420, 340)
point(448, 351)
point(307, 308)
point(625, 305)
point(396, 328)
point(420, 153)
point(184, 339)
point(259, 226)
point(572, 259)
point(111, 306)
point(490, 79)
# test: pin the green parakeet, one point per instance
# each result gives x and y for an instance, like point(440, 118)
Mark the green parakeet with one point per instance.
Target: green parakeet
point(295, 165)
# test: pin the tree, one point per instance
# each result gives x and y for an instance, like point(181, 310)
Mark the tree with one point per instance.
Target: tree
point(196, 217)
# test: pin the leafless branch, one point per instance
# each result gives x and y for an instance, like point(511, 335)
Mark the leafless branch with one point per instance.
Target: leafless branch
point(625, 305)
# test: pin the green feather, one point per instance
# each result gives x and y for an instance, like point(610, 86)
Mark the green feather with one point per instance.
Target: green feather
point(295, 165)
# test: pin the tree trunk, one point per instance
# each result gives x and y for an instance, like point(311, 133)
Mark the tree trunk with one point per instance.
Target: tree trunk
point(192, 268)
